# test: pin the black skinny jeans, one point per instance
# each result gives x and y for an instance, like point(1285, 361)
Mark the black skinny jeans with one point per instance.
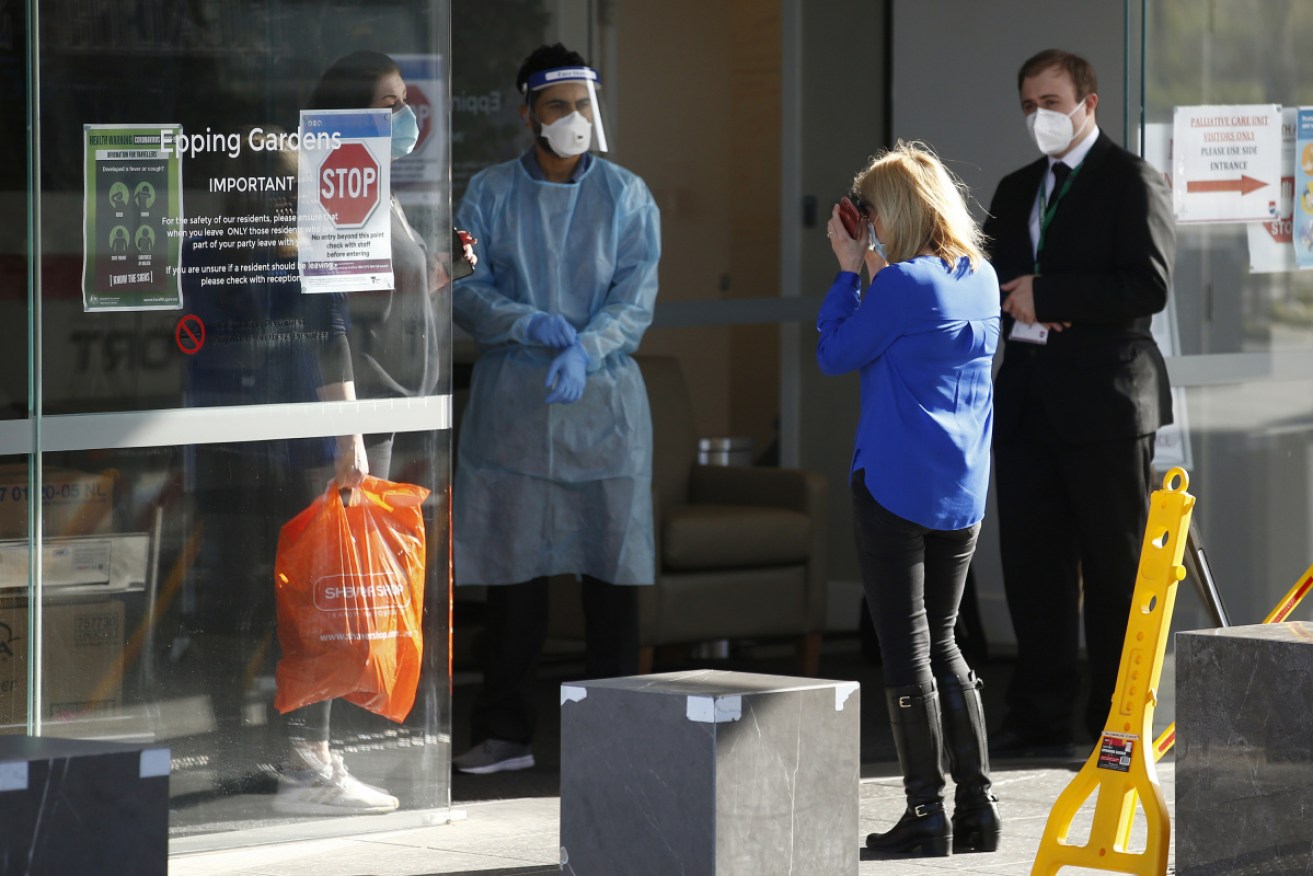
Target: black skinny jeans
point(913, 578)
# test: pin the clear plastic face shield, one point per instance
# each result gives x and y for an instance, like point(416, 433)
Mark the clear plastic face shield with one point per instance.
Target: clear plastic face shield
point(563, 102)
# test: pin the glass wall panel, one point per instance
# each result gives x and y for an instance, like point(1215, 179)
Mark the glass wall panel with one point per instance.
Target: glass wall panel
point(1247, 401)
point(233, 76)
point(15, 622)
point(159, 614)
point(243, 299)
point(1200, 52)
point(1253, 475)
point(14, 218)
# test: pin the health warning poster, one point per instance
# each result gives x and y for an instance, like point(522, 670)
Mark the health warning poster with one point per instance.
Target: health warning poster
point(1302, 213)
point(343, 201)
point(132, 195)
point(1271, 247)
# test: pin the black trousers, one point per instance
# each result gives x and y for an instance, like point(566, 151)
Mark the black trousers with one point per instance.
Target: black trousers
point(1071, 522)
point(913, 578)
point(513, 643)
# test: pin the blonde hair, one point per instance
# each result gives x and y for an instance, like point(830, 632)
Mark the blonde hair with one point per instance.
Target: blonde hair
point(921, 205)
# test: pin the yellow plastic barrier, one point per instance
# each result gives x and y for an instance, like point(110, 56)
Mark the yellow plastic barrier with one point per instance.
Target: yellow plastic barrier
point(1292, 598)
point(1121, 768)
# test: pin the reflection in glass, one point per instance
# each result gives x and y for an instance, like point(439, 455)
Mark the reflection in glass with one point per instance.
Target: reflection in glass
point(174, 638)
point(1202, 52)
point(1252, 470)
point(221, 71)
point(167, 620)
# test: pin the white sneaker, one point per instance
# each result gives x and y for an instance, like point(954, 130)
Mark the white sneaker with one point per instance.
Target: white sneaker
point(494, 756)
point(329, 790)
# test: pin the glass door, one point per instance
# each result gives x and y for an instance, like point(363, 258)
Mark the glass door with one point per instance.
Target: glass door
point(1243, 311)
point(231, 297)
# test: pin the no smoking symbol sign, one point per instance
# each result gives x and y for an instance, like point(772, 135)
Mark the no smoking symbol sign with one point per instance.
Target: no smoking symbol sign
point(190, 334)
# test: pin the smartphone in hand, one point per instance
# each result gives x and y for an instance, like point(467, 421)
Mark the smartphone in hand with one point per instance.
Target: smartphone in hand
point(461, 265)
point(851, 218)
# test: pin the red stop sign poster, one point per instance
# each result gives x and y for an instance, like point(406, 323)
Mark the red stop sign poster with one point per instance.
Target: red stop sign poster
point(343, 221)
point(348, 185)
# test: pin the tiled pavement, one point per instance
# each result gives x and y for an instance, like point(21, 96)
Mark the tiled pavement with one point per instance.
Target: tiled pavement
point(507, 824)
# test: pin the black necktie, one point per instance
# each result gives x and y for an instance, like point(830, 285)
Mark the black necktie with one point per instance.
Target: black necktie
point(1060, 172)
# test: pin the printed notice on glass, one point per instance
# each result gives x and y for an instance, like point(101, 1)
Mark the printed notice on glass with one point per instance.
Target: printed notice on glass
point(1302, 211)
point(132, 196)
point(422, 175)
point(343, 201)
point(1226, 163)
point(418, 175)
point(1270, 242)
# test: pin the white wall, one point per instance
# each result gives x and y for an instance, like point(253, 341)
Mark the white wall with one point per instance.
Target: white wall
point(955, 66)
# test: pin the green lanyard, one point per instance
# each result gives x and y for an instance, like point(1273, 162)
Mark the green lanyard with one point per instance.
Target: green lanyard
point(1046, 214)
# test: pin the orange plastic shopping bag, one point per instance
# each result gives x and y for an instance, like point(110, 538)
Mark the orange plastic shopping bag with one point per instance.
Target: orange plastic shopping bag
point(350, 587)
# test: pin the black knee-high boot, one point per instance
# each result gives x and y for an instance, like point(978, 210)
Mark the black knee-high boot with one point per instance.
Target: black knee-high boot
point(976, 823)
point(918, 736)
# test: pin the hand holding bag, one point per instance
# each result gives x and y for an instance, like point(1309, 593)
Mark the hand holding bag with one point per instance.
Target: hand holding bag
point(350, 595)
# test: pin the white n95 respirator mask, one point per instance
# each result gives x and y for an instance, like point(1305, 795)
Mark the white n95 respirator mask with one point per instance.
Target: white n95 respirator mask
point(568, 136)
point(1051, 130)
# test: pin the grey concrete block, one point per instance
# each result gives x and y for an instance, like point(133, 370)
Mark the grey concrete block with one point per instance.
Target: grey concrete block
point(711, 773)
point(1244, 751)
point(72, 806)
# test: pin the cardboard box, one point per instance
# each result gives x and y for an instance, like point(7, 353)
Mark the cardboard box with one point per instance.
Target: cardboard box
point(73, 502)
point(83, 649)
point(84, 563)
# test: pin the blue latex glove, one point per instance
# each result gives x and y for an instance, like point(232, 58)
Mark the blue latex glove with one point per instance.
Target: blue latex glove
point(566, 376)
point(551, 330)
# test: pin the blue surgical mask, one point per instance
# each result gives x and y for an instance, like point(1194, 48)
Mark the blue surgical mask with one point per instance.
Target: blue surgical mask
point(873, 242)
point(405, 132)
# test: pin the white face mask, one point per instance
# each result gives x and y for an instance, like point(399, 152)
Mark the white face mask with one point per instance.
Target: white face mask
point(568, 136)
point(1051, 130)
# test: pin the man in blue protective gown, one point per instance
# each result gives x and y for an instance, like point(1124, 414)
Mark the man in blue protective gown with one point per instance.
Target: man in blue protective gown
point(555, 462)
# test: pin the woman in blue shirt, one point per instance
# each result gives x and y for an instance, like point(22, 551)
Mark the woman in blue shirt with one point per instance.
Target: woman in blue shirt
point(922, 336)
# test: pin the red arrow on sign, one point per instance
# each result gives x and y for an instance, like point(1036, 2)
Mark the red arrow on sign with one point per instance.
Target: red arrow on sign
point(1244, 185)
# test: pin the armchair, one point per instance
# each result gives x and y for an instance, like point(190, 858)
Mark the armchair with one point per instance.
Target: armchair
point(740, 550)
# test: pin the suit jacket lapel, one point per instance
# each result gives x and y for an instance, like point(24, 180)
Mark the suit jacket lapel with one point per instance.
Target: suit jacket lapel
point(1090, 166)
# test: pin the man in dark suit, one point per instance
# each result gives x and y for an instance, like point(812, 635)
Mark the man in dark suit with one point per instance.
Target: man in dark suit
point(1083, 242)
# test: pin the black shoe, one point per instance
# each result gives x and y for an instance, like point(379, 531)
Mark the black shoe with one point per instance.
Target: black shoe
point(918, 734)
point(976, 825)
point(1008, 743)
point(923, 830)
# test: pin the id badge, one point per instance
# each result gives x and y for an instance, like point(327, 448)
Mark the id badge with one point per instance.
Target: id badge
point(1028, 333)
